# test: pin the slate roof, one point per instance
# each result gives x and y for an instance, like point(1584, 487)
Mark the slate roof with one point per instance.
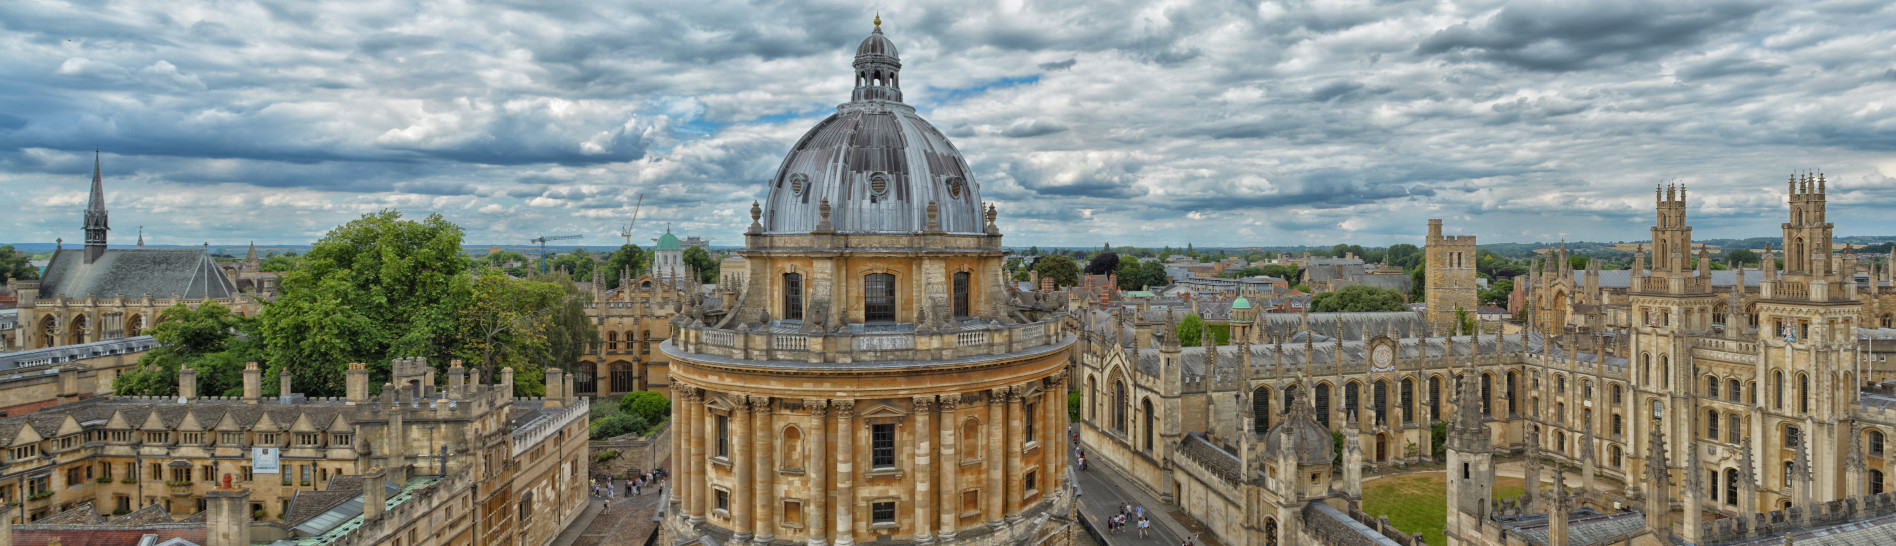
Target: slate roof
point(83, 514)
point(151, 513)
point(135, 273)
point(12, 361)
point(1585, 527)
point(209, 413)
point(1264, 356)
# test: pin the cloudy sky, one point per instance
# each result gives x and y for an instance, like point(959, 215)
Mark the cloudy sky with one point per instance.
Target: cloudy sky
point(1218, 123)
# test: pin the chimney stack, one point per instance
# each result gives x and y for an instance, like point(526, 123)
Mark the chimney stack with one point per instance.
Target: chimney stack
point(506, 380)
point(69, 384)
point(374, 494)
point(457, 379)
point(356, 383)
point(187, 384)
point(283, 384)
point(253, 383)
point(228, 520)
point(555, 385)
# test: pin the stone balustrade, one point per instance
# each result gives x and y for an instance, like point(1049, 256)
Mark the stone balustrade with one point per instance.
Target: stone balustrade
point(766, 343)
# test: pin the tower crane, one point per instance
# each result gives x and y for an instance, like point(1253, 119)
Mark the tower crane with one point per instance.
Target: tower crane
point(627, 231)
point(542, 240)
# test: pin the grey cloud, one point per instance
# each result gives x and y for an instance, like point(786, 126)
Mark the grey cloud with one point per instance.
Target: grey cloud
point(1059, 65)
point(1032, 128)
point(1562, 35)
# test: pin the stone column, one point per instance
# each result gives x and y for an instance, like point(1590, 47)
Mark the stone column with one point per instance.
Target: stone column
point(996, 422)
point(845, 473)
point(923, 446)
point(681, 430)
point(1016, 436)
point(950, 506)
point(1053, 419)
point(764, 493)
point(694, 461)
point(816, 516)
point(741, 467)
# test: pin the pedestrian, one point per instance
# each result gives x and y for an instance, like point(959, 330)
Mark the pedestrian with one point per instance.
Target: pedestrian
point(1144, 524)
point(1141, 511)
point(628, 489)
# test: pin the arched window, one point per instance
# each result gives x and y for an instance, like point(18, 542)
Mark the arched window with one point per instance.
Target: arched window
point(583, 378)
point(1560, 441)
point(1145, 406)
point(1876, 442)
point(1435, 398)
point(1613, 456)
point(1777, 388)
point(1120, 405)
point(792, 446)
point(1379, 401)
point(1735, 428)
point(1665, 367)
point(1092, 398)
point(878, 297)
point(1351, 399)
point(1323, 403)
point(1619, 425)
point(78, 329)
point(1560, 412)
point(1290, 391)
point(1711, 387)
point(1789, 468)
point(1803, 392)
point(1645, 367)
point(971, 435)
point(1617, 395)
point(1792, 436)
point(1711, 424)
point(1261, 407)
point(793, 296)
point(1731, 390)
point(1408, 401)
point(1876, 482)
point(1270, 531)
point(1560, 384)
point(961, 294)
point(1513, 392)
point(1731, 487)
point(1487, 394)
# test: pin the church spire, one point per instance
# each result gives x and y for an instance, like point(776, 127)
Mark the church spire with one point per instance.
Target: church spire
point(96, 224)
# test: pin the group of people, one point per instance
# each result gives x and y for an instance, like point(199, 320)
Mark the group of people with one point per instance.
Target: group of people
point(1129, 515)
point(607, 487)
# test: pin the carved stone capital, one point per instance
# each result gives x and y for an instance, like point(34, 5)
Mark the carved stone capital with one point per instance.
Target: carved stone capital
point(758, 404)
point(692, 394)
point(843, 407)
point(998, 395)
point(923, 403)
point(816, 407)
point(950, 401)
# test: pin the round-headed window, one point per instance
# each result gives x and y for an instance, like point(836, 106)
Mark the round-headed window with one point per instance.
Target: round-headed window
point(878, 183)
point(797, 182)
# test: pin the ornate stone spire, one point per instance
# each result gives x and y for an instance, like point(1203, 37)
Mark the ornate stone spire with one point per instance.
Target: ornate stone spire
point(141, 236)
point(96, 224)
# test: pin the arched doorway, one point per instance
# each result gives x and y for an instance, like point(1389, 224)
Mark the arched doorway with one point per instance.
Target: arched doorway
point(1382, 447)
point(584, 378)
point(135, 326)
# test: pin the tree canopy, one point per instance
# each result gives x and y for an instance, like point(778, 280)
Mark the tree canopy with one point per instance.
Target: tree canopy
point(204, 339)
point(16, 265)
point(1359, 299)
point(701, 261)
point(1102, 263)
point(374, 289)
point(1061, 269)
point(627, 259)
point(578, 262)
point(1138, 275)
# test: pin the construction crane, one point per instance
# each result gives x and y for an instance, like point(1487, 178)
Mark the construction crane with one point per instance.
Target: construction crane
point(542, 240)
point(627, 231)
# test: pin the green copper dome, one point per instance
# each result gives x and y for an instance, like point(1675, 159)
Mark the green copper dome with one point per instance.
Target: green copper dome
point(668, 242)
point(1241, 303)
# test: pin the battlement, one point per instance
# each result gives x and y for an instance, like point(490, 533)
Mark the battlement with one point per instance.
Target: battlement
point(1779, 522)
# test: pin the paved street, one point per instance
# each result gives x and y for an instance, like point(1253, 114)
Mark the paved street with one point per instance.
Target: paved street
point(1103, 490)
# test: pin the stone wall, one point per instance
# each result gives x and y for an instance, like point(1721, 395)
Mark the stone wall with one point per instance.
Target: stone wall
point(634, 453)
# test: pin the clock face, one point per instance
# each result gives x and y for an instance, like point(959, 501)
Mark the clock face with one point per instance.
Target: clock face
point(1382, 355)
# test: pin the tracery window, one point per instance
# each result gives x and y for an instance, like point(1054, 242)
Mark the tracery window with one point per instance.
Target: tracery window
point(1120, 405)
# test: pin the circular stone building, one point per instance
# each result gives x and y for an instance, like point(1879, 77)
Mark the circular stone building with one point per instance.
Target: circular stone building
point(874, 378)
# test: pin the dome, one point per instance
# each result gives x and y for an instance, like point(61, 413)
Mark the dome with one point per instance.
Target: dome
point(668, 242)
point(1241, 303)
point(876, 162)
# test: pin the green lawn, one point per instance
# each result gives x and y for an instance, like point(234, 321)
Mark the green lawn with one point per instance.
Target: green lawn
point(1418, 503)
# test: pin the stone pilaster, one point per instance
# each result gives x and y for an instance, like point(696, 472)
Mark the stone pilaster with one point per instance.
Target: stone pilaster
point(816, 516)
point(694, 461)
point(845, 514)
point(950, 504)
point(996, 423)
point(763, 487)
point(742, 466)
point(1016, 435)
point(924, 445)
point(682, 428)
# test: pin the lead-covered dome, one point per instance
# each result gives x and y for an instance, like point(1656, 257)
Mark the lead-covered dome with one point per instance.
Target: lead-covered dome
point(876, 161)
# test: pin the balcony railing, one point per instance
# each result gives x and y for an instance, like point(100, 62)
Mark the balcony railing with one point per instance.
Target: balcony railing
point(879, 344)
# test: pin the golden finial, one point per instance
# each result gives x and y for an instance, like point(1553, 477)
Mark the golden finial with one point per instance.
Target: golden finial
point(878, 21)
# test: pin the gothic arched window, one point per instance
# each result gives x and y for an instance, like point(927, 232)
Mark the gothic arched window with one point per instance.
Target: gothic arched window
point(1261, 406)
point(1731, 487)
point(1323, 403)
point(1408, 401)
point(1146, 426)
point(1120, 405)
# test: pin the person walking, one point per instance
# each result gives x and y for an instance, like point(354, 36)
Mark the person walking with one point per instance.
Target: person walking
point(1144, 526)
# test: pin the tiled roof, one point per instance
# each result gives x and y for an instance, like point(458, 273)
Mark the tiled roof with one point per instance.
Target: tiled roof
point(135, 273)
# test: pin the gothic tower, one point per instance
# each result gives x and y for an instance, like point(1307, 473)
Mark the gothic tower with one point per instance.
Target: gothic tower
point(1807, 235)
point(1470, 468)
point(96, 224)
point(1449, 281)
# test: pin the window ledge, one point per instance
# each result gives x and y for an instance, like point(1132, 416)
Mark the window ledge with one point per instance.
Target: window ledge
point(890, 526)
point(965, 514)
point(884, 472)
point(721, 461)
point(971, 461)
point(721, 513)
point(1030, 447)
point(790, 471)
point(791, 524)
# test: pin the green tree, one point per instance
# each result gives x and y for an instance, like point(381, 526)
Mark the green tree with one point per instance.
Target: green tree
point(1190, 329)
point(374, 289)
point(628, 259)
point(16, 265)
point(505, 324)
point(1290, 273)
point(1578, 263)
point(1742, 257)
point(1022, 276)
point(569, 333)
point(278, 263)
point(1418, 283)
point(652, 406)
point(204, 339)
point(1404, 256)
point(1252, 271)
point(1465, 323)
point(578, 262)
point(1359, 299)
point(1497, 292)
point(1103, 263)
point(1063, 270)
point(698, 260)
